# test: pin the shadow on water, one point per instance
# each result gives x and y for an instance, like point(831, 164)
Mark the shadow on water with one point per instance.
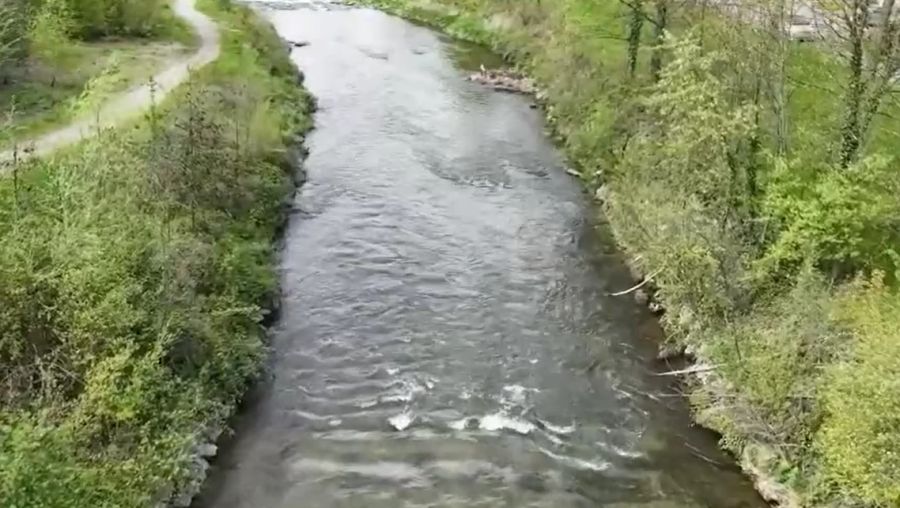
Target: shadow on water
point(470, 57)
point(446, 336)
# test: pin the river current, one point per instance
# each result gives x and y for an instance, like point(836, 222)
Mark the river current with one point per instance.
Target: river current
point(447, 338)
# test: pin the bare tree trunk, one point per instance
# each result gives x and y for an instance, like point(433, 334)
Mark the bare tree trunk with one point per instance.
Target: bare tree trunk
point(886, 63)
point(755, 143)
point(851, 130)
point(635, 29)
point(659, 32)
point(777, 90)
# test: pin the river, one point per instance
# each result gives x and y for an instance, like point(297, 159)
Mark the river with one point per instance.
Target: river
point(446, 337)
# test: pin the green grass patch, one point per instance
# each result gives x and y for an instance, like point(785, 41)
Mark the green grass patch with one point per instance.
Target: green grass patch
point(38, 98)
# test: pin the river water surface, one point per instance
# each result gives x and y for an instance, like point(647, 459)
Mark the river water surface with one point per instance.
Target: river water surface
point(446, 337)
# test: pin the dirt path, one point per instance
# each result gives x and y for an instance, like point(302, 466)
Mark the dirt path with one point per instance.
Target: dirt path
point(128, 104)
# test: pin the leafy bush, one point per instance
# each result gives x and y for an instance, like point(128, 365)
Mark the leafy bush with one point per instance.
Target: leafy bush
point(845, 220)
point(131, 277)
point(773, 359)
point(679, 193)
point(50, 31)
point(13, 33)
point(117, 17)
point(860, 438)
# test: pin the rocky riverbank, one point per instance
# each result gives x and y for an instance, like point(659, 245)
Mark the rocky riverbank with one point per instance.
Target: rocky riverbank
point(504, 80)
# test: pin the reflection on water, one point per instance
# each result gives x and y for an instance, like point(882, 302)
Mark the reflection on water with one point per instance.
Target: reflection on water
point(446, 337)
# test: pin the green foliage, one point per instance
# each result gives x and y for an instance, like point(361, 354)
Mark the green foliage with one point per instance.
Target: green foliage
point(50, 31)
point(860, 439)
point(132, 274)
point(774, 358)
point(97, 89)
point(681, 191)
point(13, 33)
point(845, 220)
point(117, 17)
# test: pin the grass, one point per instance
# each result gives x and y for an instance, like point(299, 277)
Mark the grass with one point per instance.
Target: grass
point(37, 98)
point(43, 98)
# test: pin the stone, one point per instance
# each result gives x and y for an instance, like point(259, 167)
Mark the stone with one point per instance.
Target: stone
point(207, 450)
point(670, 351)
point(504, 81)
point(634, 269)
point(533, 482)
point(641, 297)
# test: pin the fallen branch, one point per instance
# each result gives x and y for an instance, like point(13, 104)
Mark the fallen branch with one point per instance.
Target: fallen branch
point(639, 286)
point(698, 453)
point(697, 369)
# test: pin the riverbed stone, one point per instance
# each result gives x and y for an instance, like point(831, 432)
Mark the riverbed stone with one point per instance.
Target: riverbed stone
point(535, 482)
point(670, 351)
point(641, 297)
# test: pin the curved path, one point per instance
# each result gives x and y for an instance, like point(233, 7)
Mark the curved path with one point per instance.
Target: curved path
point(137, 100)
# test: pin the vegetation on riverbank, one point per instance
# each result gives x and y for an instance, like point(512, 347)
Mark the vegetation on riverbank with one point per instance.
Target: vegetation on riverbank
point(60, 58)
point(133, 268)
point(757, 179)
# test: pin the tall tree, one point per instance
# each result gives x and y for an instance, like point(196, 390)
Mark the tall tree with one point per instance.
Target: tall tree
point(659, 31)
point(636, 18)
point(871, 47)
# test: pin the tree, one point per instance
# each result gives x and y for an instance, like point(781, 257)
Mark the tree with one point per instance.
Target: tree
point(659, 32)
point(871, 49)
point(50, 30)
point(13, 16)
point(635, 29)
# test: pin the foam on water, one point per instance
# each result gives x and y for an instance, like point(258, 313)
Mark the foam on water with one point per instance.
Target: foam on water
point(557, 429)
point(402, 421)
point(500, 421)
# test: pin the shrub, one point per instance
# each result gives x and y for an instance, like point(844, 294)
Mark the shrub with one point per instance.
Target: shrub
point(845, 220)
point(679, 194)
point(860, 438)
point(96, 18)
point(773, 358)
point(50, 31)
point(132, 272)
point(13, 33)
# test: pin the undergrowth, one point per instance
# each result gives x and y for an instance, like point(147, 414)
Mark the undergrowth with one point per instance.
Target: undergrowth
point(133, 273)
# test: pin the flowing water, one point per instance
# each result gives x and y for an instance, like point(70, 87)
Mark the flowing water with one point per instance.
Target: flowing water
point(447, 338)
